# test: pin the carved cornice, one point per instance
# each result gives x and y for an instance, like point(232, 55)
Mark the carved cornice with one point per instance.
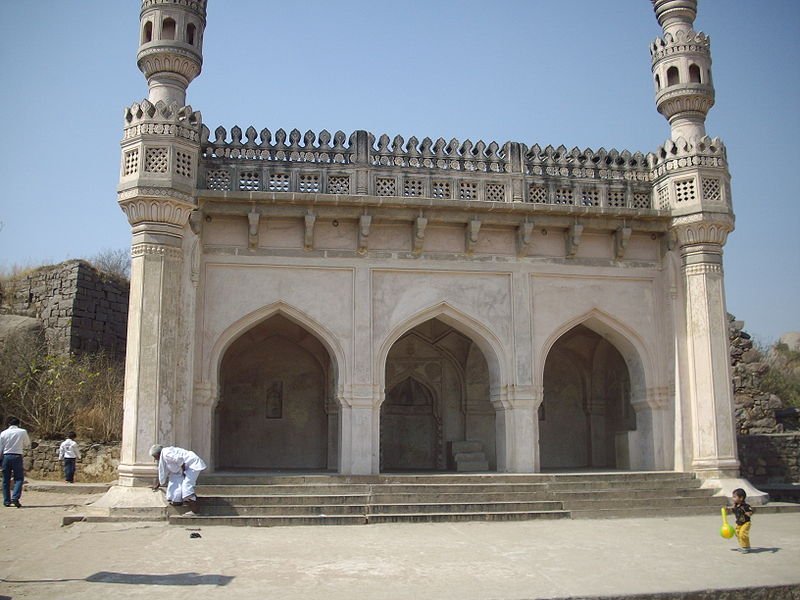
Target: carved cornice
point(702, 269)
point(167, 58)
point(684, 98)
point(143, 207)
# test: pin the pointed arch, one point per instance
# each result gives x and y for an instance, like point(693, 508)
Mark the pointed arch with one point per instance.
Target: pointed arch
point(480, 334)
point(627, 342)
point(247, 322)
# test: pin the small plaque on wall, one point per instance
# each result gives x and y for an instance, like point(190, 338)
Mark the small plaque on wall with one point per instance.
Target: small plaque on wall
point(275, 400)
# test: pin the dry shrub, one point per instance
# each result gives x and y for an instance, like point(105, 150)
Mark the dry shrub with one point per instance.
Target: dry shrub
point(53, 393)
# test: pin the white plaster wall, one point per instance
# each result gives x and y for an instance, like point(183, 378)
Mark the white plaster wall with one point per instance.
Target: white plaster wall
point(238, 295)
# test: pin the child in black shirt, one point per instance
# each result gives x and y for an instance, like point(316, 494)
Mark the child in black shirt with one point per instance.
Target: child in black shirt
point(743, 512)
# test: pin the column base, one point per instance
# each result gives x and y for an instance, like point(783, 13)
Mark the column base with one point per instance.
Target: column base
point(125, 502)
point(726, 485)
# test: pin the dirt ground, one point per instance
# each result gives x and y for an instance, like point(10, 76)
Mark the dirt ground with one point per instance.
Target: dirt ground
point(469, 561)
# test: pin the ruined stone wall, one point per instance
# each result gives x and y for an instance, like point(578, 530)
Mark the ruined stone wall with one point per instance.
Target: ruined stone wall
point(81, 309)
point(98, 462)
point(755, 408)
point(770, 458)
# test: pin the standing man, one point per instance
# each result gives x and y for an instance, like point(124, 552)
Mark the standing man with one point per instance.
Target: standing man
point(13, 442)
point(179, 470)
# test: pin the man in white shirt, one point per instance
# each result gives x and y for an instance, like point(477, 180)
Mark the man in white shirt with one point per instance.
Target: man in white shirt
point(69, 452)
point(13, 442)
point(178, 469)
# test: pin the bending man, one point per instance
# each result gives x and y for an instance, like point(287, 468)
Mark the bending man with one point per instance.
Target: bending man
point(178, 469)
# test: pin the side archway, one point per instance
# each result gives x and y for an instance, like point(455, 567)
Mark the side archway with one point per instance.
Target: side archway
point(276, 375)
point(595, 376)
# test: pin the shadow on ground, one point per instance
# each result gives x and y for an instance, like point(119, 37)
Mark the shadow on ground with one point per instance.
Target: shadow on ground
point(139, 579)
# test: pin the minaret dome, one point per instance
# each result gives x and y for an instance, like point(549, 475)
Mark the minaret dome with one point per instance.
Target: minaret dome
point(171, 46)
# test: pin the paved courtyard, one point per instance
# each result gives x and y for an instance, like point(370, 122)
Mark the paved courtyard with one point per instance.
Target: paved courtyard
point(467, 561)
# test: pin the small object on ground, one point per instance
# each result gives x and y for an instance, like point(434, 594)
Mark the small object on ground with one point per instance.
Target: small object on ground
point(194, 535)
point(726, 530)
point(189, 513)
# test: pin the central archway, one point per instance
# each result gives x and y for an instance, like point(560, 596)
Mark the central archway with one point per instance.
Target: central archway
point(437, 413)
point(276, 409)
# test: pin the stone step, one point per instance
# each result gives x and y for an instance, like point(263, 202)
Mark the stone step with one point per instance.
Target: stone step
point(543, 495)
point(437, 488)
point(637, 513)
point(289, 499)
point(657, 504)
point(267, 510)
point(268, 521)
point(464, 507)
point(335, 479)
point(284, 520)
point(476, 516)
point(472, 466)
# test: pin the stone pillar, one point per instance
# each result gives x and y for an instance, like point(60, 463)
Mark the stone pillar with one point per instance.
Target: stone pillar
point(517, 430)
point(707, 358)
point(153, 320)
point(359, 431)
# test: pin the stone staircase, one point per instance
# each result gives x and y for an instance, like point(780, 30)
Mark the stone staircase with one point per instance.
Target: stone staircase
point(272, 500)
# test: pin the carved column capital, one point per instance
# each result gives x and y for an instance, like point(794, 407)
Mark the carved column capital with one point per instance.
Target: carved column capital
point(155, 205)
point(702, 229)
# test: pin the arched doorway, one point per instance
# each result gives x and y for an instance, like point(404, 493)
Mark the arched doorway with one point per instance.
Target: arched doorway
point(586, 409)
point(276, 408)
point(436, 409)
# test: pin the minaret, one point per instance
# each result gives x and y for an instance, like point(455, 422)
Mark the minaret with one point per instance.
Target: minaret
point(682, 69)
point(691, 181)
point(171, 47)
point(157, 192)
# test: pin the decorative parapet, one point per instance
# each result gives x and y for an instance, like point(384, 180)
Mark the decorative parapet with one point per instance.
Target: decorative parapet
point(161, 119)
point(675, 154)
point(680, 43)
point(690, 175)
point(360, 164)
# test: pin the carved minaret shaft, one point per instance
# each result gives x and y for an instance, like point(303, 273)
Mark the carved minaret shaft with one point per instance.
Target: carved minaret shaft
point(691, 180)
point(160, 153)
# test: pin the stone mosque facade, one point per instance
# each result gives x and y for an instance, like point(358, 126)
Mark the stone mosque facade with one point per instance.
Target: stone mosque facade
point(359, 304)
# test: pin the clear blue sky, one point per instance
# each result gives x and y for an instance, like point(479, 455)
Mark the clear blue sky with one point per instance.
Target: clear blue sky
point(572, 72)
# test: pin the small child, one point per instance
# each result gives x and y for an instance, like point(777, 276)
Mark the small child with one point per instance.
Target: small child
point(743, 512)
point(69, 452)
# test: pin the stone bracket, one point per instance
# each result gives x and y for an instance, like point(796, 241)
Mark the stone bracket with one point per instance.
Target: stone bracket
point(253, 219)
point(621, 238)
point(572, 238)
point(473, 227)
point(364, 223)
point(524, 238)
point(308, 235)
point(419, 234)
